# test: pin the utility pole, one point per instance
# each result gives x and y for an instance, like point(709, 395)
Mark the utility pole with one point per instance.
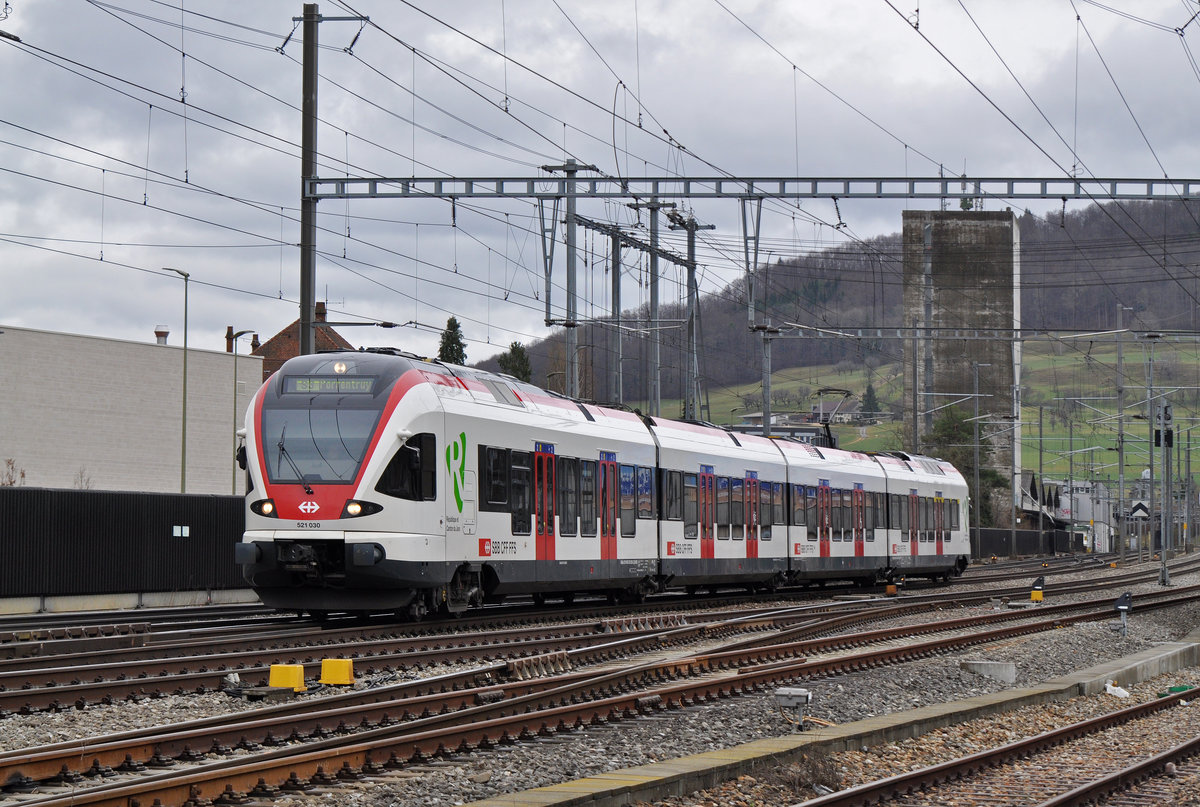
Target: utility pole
point(927, 342)
point(614, 388)
point(308, 173)
point(1151, 413)
point(1166, 434)
point(975, 440)
point(691, 396)
point(656, 341)
point(1041, 485)
point(1120, 438)
point(571, 322)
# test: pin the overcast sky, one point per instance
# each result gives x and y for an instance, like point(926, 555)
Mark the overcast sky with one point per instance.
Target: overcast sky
point(107, 177)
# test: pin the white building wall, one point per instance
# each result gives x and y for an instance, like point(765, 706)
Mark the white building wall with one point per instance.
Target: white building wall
point(110, 411)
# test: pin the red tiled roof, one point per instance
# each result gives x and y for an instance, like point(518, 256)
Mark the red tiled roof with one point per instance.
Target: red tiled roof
point(286, 344)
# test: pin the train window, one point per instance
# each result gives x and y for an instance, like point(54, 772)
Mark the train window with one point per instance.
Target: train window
point(493, 470)
point(673, 495)
point(691, 507)
point(737, 501)
point(881, 515)
point(778, 505)
point(766, 511)
point(954, 511)
point(567, 478)
point(722, 506)
point(628, 500)
point(520, 493)
point(868, 513)
point(412, 471)
point(645, 493)
point(797, 492)
point(587, 497)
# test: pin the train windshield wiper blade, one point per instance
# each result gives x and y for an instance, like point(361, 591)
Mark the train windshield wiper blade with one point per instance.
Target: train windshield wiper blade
point(283, 452)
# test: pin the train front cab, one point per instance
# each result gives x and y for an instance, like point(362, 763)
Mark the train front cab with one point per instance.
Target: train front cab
point(345, 501)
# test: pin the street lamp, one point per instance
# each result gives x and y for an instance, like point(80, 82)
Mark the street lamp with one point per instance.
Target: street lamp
point(233, 481)
point(183, 417)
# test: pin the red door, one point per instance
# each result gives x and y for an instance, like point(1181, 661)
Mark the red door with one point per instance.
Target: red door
point(707, 514)
point(858, 520)
point(752, 501)
point(824, 527)
point(543, 502)
point(609, 496)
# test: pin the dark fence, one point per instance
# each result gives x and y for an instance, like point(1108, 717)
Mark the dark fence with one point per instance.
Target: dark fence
point(1000, 542)
point(56, 542)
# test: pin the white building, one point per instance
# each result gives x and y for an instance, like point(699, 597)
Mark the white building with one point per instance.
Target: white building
point(83, 411)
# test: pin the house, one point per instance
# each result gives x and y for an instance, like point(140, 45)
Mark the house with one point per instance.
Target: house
point(286, 344)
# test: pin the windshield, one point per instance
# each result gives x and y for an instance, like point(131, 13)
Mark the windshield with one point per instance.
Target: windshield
point(316, 445)
point(320, 412)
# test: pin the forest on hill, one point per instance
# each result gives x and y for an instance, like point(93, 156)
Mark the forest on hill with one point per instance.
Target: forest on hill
point(1076, 269)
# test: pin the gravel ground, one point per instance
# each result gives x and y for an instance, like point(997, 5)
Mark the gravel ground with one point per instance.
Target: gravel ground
point(837, 699)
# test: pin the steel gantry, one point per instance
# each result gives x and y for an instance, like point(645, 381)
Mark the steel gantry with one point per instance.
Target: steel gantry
point(654, 193)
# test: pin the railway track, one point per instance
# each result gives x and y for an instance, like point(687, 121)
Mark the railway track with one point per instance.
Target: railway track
point(497, 705)
point(59, 675)
point(1083, 763)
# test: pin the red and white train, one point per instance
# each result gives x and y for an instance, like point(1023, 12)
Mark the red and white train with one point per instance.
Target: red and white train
point(381, 481)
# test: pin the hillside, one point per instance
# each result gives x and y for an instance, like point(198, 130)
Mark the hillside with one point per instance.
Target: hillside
point(1076, 270)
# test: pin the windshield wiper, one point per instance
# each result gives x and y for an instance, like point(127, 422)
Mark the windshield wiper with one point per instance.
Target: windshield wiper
point(283, 452)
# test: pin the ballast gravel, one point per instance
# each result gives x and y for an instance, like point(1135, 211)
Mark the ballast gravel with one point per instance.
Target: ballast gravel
point(838, 699)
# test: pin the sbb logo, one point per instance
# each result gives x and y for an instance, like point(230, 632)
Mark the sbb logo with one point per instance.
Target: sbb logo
point(670, 547)
point(485, 547)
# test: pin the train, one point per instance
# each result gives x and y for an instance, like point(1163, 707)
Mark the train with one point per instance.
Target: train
point(381, 481)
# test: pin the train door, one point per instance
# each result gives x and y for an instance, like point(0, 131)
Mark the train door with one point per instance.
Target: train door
point(609, 499)
point(708, 504)
point(543, 499)
point(914, 522)
point(858, 519)
point(824, 515)
point(939, 522)
point(752, 514)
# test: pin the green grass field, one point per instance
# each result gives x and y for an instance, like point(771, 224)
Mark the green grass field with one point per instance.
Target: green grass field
point(1069, 387)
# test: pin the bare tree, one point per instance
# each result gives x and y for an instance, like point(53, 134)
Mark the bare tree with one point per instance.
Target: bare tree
point(10, 475)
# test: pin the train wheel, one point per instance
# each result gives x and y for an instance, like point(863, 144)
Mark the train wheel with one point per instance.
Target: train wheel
point(417, 609)
point(569, 598)
point(319, 615)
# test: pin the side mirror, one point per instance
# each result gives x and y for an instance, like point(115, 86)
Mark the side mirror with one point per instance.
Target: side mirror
point(240, 454)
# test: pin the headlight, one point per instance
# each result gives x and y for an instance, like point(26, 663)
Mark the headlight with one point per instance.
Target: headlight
point(264, 507)
point(355, 508)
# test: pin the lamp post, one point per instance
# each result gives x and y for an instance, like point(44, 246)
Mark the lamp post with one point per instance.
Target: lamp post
point(233, 480)
point(183, 416)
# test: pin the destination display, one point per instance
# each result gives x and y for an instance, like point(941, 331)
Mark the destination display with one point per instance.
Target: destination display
point(328, 384)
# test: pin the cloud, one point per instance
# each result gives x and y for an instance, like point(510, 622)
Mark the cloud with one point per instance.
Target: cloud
point(745, 88)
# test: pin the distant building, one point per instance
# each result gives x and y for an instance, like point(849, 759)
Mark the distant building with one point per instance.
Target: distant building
point(286, 344)
point(90, 412)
